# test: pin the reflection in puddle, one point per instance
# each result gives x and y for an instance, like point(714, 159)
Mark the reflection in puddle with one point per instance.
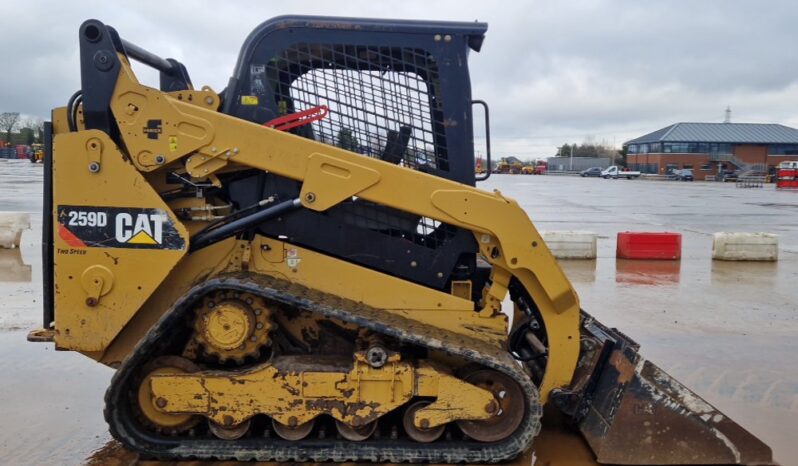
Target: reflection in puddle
point(647, 272)
point(759, 274)
point(579, 271)
point(12, 269)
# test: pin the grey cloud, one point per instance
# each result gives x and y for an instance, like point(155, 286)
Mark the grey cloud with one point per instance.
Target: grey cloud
point(553, 72)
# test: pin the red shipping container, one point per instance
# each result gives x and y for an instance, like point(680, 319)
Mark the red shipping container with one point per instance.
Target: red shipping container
point(649, 245)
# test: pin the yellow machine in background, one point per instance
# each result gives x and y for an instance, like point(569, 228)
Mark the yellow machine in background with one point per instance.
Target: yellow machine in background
point(509, 165)
point(301, 267)
point(37, 153)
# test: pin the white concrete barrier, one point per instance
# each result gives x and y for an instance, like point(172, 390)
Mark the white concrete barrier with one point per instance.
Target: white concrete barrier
point(745, 247)
point(571, 244)
point(11, 226)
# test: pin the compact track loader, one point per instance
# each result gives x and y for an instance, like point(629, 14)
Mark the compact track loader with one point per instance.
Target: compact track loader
point(300, 267)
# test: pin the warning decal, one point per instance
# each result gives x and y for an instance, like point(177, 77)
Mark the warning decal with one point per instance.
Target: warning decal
point(112, 227)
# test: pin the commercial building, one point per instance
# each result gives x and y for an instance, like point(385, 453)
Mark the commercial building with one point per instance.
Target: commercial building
point(710, 147)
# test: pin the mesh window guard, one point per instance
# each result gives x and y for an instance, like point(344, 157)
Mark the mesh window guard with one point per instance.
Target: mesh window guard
point(382, 101)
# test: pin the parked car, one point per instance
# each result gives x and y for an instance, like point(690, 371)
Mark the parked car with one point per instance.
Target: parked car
point(615, 172)
point(592, 171)
point(685, 174)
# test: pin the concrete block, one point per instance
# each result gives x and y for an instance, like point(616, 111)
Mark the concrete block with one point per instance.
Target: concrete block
point(745, 247)
point(11, 226)
point(571, 244)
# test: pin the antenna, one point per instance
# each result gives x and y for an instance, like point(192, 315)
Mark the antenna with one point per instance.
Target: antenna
point(727, 119)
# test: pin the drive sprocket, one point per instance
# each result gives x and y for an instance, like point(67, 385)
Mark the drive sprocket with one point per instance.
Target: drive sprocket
point(232, 326)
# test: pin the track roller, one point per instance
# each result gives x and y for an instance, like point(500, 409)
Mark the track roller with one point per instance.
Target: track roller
point(420, 434)
point(229, 432)
point(295, 433)
point(356, 434)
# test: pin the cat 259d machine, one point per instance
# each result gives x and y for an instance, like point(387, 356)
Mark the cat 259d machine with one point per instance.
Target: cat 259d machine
point(300, 267)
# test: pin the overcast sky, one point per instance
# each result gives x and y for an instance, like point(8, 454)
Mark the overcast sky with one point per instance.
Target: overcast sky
point(552, 71)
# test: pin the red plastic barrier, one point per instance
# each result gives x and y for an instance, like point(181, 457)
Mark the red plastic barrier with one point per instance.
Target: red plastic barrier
point(649, 245)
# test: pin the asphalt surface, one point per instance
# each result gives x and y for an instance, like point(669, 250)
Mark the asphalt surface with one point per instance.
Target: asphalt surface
point(726, 330)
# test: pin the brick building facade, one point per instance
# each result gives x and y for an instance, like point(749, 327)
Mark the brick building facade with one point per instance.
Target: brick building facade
point(708, 148)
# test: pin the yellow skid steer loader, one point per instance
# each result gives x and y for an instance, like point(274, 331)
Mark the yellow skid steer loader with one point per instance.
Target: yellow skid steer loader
point(299, 268)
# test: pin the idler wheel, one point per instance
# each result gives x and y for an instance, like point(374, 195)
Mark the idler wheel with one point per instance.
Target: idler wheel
point(148, 404)
point(507, 409)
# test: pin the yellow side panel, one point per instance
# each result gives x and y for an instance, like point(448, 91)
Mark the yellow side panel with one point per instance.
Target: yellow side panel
point(115, 240)
point(350, 281)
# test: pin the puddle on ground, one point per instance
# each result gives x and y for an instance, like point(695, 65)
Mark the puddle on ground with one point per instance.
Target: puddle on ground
point(762, 275)
point(732, 344)
point(56, 398)
point(647, 272)
point(578, 270)
point(12, 267)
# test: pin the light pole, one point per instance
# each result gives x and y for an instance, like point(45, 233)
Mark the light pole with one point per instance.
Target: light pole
point(571, 166)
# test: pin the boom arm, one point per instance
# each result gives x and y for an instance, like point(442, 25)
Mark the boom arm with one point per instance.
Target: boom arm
point(208, 141)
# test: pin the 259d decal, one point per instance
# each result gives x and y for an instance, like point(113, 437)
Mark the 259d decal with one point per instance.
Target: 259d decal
point(111, 227)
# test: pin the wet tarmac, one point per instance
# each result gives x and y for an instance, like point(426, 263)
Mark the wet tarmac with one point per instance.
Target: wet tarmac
point(726, 330)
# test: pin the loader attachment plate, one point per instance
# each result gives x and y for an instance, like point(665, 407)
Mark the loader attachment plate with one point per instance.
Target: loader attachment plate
point(632, 412)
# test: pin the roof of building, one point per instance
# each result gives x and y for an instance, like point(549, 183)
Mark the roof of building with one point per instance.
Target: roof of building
point(734, 133)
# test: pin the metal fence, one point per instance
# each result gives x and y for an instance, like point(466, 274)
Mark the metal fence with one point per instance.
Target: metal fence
point(564, 164)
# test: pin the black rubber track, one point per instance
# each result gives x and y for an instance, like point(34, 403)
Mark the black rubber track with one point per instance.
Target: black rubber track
point(125, 427)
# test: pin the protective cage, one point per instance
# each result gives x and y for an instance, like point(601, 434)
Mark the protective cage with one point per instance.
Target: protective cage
point(379, 99)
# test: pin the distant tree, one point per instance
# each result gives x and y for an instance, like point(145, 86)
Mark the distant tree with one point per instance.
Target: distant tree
point(27, 135)
point(620, 157)
point(31, 130)
point(587, 149)
point(37, 125)
point(347, 140)
point(8, 122)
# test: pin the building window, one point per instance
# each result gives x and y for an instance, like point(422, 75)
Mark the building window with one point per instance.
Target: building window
point(706, 167)
point(675, 147)
point(631, 149)
point(655, 147)
point(669, 168)
point(783, 149)
point(696, 148)
point(687, 166)
point(721, 148)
